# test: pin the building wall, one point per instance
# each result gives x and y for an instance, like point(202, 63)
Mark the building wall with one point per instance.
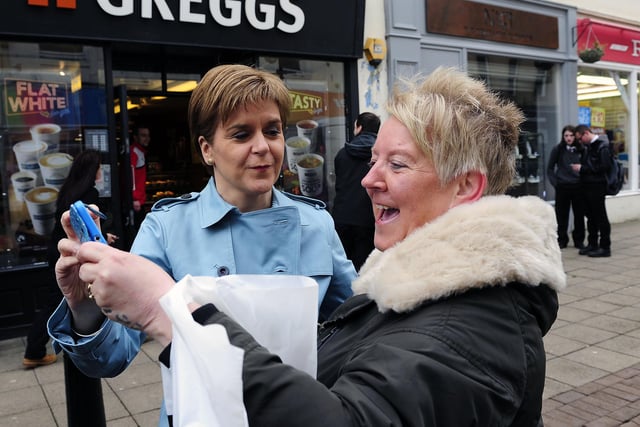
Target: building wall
point(620, 10)
point(373, 81)
point(625, 206)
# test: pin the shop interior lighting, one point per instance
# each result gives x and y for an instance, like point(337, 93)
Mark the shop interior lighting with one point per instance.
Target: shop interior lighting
point(599, 80)
point(598, 95)
point(181, 86)
point(596, 87)
point(130, 106)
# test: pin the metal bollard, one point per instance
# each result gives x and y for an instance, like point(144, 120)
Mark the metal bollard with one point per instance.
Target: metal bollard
point(85, 406)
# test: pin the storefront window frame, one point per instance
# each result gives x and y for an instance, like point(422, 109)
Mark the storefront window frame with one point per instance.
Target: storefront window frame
point(537, 137)
point(313, 80)
point(77, 72)
point(633, 114)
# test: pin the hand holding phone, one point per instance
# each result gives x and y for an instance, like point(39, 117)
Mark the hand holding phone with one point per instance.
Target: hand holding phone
point(82, 223)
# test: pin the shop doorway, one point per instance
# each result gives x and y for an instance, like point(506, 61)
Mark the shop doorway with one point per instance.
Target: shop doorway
point(173, 166)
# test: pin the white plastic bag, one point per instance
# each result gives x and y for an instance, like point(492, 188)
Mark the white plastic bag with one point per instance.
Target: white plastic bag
point(204, 384)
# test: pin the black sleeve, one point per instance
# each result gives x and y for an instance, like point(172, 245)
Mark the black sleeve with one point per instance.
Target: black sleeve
point(200, 315)
point(551, 167)
point(273, 391)
point(405, 378)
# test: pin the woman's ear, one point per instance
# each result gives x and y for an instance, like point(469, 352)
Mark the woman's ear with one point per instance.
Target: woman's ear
point(471, 186)
point(206, 150)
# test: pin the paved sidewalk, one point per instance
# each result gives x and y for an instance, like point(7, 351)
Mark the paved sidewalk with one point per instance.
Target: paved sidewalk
point(593, 350)
point(36, 397)
point(593, 356)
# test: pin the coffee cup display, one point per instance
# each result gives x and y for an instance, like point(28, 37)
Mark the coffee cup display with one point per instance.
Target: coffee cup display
point(297, 146)
point(55, 168)
point(27, 155)
point(22, 182)
point(309, 129)
point(41, 204)
point(310, 174)
point(48, 133)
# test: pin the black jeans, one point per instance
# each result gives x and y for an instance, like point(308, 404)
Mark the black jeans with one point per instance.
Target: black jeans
point(570, 196)
point(598, 224)
point(37, 337)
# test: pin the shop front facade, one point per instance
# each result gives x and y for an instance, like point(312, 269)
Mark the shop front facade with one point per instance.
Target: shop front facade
point(528, 51)
point(77, 75)
point(608, 98)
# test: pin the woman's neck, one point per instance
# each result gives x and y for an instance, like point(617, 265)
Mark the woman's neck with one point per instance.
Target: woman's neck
point(250, 204)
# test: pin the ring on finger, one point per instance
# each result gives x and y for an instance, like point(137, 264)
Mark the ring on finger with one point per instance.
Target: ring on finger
point(89, 291)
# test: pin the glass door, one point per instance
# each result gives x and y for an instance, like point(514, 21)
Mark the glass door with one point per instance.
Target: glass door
point(121, 114)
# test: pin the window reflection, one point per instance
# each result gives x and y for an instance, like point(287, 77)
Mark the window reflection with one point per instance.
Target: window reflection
point(53, 97)
point(532, 85)
point(316, 89)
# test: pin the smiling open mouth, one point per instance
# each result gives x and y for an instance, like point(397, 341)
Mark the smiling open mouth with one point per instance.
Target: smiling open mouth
point(386, 213)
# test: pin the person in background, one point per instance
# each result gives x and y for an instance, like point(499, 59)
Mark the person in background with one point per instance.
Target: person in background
point(447, 322)
point(238, 224)
point(138, 153)
point(593, 177)
point(566, 182)
point(351, 206)
point(79, 185)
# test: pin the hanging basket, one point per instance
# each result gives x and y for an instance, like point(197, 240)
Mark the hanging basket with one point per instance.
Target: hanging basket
point(592, 54)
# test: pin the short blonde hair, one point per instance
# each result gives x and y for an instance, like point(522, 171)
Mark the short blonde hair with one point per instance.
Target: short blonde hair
point(460, 125)
point(226, 88)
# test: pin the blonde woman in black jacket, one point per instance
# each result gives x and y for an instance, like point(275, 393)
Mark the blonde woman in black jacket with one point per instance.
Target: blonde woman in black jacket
point(446, 327)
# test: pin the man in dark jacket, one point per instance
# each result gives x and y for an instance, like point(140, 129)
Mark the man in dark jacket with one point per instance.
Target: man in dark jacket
point(593, 177)
point(351, 207)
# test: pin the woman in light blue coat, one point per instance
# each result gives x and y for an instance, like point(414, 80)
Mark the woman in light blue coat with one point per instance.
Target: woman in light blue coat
point(238, 224)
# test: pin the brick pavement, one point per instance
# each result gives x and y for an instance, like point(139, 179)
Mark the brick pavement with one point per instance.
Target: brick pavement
point(593, 349)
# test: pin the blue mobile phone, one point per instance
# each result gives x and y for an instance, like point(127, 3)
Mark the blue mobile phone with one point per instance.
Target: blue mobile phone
point(83, 225)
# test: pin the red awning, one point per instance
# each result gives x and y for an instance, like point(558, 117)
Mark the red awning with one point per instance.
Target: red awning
point(620, 44)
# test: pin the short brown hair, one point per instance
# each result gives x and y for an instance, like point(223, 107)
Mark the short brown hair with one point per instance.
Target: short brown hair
point(224, 89)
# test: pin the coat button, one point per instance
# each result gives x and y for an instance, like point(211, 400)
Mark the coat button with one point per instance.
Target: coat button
point(223, 271)
point(186, 196)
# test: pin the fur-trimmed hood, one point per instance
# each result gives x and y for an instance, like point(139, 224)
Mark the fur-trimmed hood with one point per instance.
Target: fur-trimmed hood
point(494, 241)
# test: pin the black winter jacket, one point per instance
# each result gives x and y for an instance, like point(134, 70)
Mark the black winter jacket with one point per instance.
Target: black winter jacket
point(446, 330)
point(596, 161)
point(561, 158)
point(352, 204)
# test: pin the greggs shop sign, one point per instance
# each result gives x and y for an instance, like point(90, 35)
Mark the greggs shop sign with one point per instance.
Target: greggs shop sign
point(291, 26)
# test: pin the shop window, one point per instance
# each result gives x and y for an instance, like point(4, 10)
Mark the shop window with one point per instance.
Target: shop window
point(138, 80)
point(182, 82)
point(53, 105)
point(316, 126)
point(533, 86)
point(602, 106)
point(152, 81)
